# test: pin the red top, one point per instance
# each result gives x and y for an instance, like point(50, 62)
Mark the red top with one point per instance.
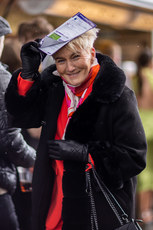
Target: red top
point(23, 85)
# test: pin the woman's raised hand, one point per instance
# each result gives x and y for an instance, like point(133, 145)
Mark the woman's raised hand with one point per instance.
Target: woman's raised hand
point(31, 59)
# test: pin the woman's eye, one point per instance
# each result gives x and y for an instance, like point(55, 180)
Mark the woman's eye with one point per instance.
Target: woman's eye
point(76, 56)
point(60, 61)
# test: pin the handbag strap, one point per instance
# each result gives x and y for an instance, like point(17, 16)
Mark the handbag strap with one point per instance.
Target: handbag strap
point(113, 203)
point(94, 221)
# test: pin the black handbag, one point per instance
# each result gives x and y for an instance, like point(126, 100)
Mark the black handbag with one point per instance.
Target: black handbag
point(125, 223)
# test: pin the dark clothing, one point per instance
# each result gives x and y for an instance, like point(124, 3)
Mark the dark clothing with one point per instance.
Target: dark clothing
point(8, 218)
point(108, 121)
point(14, 151)
point(23, 207)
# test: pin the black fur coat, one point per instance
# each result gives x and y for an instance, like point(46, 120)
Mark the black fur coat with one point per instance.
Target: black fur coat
point(108, 121)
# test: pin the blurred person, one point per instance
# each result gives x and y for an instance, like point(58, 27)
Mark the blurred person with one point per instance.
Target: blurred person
point(130, 68)
point(14, 151)
point(36, 28)
point(11, 54)
point(114, 50)
point(110, 48)
point(143, 87)
point(33, 29)
point(21, 197)
point(84, 107)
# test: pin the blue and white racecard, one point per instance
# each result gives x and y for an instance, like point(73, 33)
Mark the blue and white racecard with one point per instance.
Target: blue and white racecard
point(72, 28)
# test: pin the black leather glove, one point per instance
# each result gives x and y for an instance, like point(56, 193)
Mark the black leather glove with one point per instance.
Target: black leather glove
point(67, 150)
point(31, 58)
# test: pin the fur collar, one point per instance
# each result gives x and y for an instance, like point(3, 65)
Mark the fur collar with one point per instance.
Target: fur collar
point(110, 81)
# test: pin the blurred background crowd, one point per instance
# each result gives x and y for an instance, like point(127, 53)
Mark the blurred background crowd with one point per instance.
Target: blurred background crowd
point(126, 36)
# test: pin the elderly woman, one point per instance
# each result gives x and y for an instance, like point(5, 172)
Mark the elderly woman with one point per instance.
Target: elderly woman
point(85, 110)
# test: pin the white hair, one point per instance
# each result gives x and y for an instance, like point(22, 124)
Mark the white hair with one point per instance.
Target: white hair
point(84, 41)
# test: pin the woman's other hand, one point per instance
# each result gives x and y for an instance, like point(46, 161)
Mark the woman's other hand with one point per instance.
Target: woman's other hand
point(67, 150)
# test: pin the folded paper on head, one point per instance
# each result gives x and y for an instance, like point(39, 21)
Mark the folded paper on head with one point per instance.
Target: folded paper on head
point(72, 28)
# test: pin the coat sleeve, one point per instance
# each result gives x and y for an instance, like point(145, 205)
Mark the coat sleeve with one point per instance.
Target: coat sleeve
point(15, 148)
point(27, 111)
point(124, 154)
point(12, 144)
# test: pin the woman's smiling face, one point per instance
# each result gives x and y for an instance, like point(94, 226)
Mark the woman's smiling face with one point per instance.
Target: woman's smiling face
point(74, 66)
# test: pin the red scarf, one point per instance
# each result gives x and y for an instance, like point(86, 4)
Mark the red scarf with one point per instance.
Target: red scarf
point(76, 95)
